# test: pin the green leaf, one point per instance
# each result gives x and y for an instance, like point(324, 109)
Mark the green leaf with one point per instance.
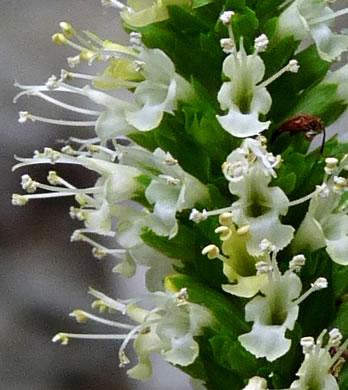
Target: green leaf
point(185, 22)
point(340, 280)
point(182, 246)
point(230, 354)
point(145, 139)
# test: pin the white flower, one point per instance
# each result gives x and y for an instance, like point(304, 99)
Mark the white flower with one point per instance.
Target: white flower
point(312, 19)
point(239, 266)
point(169, 329)
point(339, 77)
point(131, 223)
point(316, 370)
point(159, 92)
point(111, 123)
point(275, 312)
point(260, 207)
point(324, 225)
point(241, 96)
point(172, 191)
point(272, 315)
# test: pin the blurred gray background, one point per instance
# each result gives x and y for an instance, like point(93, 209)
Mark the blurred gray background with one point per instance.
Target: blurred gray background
point(44, 276)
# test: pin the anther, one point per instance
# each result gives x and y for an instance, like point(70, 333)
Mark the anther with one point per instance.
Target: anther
point(226, 17)
point(297, 262)
point(224, 232)
point(59, 39)
point(307, 344)
point(212, 251)
point(261, 43)
point(225, 219)
point(227, 45)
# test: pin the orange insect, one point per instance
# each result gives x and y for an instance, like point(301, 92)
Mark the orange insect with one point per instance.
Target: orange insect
point(303, 123)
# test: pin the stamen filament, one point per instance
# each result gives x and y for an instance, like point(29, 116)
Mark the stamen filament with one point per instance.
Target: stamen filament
point(96, 336)
point(61, 122)
point(274, 77)
point(329, 17)
point(131, 335)
point(65, 105)
point(219, 211)
point(90, 190)
point(105, 321)
point(86, 141)
point(112, 303)
point(303, 199)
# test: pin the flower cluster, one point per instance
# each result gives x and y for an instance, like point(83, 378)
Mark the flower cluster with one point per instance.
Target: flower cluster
point(203, 161)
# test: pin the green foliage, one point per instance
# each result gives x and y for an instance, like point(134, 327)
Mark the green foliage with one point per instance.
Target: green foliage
point(191, 37)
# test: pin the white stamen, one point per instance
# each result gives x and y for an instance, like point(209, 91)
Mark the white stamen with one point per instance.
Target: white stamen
point(226, 17)
point(28, 184)
point(266, 246)
point(112, 303)
point(319, 284)
point(65, 105)
point(261, 43)
point(297, 262)
point(52, 82)
point(329, 16)
point(19, 200)
point(292, 66)
point(197, 216)
point(25, 115)
point(83, 316)
point(307, 344)
point(227, 45)
point(335, 337)
point(263, 267)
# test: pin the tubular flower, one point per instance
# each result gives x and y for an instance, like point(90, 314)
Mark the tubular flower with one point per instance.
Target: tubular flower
point(275, 312)
point(245, 96)
point(156, 90)
point(306, 19)
point(316, 370)
point(156, 177)
point(326, 222)
point(259, 206)
point(239, 266)
point(131, 224)
point(169, 329)
point(241, 96)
